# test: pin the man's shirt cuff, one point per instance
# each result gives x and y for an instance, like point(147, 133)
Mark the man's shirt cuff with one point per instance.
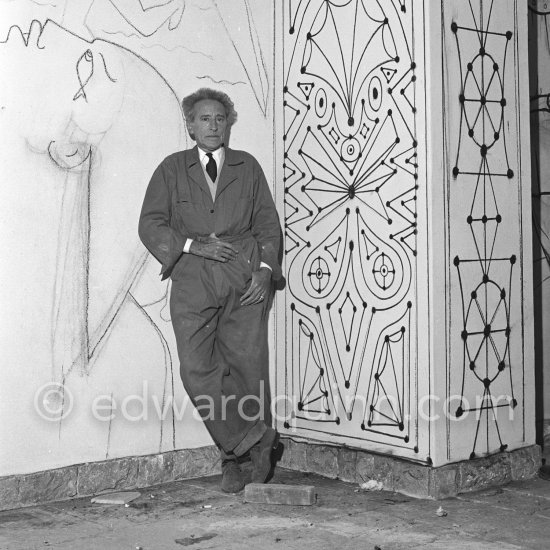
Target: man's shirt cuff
point(187, 246)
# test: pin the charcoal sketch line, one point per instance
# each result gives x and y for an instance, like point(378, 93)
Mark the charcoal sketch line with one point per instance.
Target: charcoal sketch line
point(248, 50)
point(144, 20)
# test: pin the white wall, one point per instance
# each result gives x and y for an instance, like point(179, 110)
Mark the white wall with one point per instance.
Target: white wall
point(89, 106)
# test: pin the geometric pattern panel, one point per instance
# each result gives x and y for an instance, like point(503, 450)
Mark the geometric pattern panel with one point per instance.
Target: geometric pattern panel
point(485, 389)
point(350, 171)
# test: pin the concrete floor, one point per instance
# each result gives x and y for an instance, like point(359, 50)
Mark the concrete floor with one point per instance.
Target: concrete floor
point(197, 514)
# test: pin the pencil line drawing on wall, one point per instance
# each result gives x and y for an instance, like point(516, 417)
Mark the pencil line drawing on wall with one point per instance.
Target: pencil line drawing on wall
point(247, 47)
point(133, 17)
point(90, 107)
point(89, 263)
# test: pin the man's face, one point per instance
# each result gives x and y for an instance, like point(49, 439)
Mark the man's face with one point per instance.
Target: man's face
point(209, 125)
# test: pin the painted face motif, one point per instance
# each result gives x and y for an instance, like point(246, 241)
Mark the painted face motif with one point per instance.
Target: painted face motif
point(210, 124)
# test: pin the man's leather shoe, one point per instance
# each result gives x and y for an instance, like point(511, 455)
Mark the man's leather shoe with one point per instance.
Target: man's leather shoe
point(232, 478)
point(261, 455)
point(544, 472)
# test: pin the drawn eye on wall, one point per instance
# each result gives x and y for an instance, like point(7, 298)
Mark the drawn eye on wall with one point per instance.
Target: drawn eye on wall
point(69, 156)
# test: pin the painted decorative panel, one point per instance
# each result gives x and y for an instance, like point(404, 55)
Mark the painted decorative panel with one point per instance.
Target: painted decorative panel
point(352, 99)
point(484, 229)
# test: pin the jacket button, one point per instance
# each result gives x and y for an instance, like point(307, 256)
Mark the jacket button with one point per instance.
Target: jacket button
point(211, 211)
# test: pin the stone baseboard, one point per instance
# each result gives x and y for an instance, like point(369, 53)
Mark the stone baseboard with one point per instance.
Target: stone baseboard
point(546, 435)
point(407, 477)
point(350, 465)
point(110, 475)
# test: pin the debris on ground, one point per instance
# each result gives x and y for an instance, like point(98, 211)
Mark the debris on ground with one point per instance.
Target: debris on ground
point(123, 497)
point(371, 485)
point(441, 512)
point(190, 541)
point(138, 505)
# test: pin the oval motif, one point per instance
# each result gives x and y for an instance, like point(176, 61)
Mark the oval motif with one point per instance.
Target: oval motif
point(320, 103)
point(375, 93)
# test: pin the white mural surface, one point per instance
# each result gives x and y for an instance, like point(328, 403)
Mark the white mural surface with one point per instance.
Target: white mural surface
point(89, 106)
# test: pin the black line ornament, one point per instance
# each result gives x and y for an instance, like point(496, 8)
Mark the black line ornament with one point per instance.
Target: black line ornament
point(351, 183)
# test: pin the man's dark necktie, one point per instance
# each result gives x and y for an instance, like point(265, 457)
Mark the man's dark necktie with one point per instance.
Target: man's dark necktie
point(211, 167)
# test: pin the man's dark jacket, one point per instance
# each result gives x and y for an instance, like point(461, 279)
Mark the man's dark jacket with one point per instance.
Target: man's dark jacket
point(178, 205)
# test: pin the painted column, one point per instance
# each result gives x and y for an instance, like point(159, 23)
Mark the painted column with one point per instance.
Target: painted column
point(406, 324)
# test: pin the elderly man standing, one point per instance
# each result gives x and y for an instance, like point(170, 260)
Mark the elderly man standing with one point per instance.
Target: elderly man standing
point(209, 218)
